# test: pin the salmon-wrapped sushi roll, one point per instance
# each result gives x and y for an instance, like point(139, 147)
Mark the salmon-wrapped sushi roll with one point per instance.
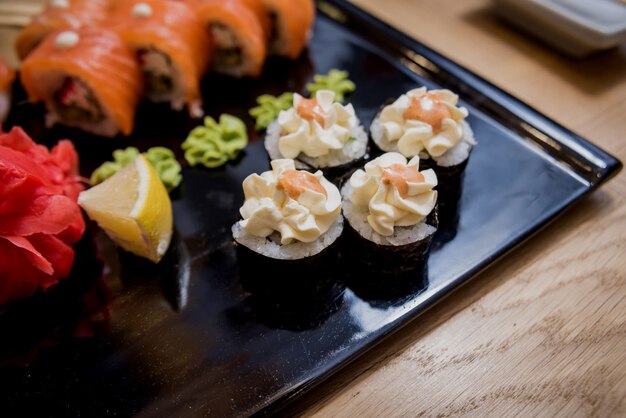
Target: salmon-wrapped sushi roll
point(88, 78)
point(173, 47)
point(290, 25)
point(7, 75)
point(59, 15)
point(239, 36)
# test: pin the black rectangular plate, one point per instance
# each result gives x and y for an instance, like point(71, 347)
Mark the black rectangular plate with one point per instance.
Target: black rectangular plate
point(121, 337)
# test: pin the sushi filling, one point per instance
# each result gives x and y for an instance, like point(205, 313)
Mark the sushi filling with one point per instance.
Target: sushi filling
point(158, 74)
point(227, 52)
point(76, 103)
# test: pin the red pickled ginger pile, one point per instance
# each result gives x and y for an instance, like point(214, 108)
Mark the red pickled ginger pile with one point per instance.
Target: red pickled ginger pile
point(39, 216)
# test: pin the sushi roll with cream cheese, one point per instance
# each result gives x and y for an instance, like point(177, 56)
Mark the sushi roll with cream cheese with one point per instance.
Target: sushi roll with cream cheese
point(425, 123)
point(290, 221)
point(390, 212)
point(432, 125)
point(319, 133)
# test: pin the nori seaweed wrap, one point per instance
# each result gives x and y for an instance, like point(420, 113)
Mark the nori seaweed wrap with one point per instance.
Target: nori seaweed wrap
point(449, 191)
point(391, 217)
point(382, 292)
point(290, 228)
point(294, 296)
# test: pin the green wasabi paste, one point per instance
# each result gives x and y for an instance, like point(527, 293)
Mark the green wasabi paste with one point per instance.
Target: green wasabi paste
point(336, 81)
point(213, 144)
point(268, 109)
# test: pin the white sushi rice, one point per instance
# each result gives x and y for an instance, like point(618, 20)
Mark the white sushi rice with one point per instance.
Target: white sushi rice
point(357, 218)
point(454, 156)
point(352, 150)
point(272, 248)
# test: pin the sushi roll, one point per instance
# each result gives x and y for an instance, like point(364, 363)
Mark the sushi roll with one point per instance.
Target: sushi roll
point(60, 15)
point(239, 36)
point(88, 79)
point(425, 123)
point(320, 134)
point(291, 22)
point(173, 48)
point(291, 223)
point(7, 76)
point(432, 125)
point(390, 213)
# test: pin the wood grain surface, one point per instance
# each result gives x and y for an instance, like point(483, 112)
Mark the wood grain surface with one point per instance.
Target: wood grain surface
point(543, 332)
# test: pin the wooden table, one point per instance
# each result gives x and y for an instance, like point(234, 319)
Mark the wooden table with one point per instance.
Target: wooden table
point(543, 332)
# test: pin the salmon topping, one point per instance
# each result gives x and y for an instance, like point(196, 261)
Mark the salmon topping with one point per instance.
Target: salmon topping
point(428, 109)
point(309, 109)
point(399, 176)
point(295, 182)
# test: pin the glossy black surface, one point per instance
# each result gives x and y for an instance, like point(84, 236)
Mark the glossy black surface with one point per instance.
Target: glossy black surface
point(122, 337)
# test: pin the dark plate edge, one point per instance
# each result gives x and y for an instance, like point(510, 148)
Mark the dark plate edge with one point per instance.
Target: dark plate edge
point(604, 166)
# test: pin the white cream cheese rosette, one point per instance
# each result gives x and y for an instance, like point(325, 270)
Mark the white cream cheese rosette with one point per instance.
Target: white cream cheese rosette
point(299, 205)
point(315, 126)
point(389, 203)
point(440, 130)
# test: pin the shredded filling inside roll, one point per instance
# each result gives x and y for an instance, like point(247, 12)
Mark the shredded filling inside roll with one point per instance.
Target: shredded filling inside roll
point(227, 52)
point(75, 102)
point(158, 74)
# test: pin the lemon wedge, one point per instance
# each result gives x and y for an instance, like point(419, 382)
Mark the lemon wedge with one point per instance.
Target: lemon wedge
point(134, 209)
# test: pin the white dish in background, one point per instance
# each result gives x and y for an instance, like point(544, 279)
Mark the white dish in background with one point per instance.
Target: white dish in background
point(576, 27)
